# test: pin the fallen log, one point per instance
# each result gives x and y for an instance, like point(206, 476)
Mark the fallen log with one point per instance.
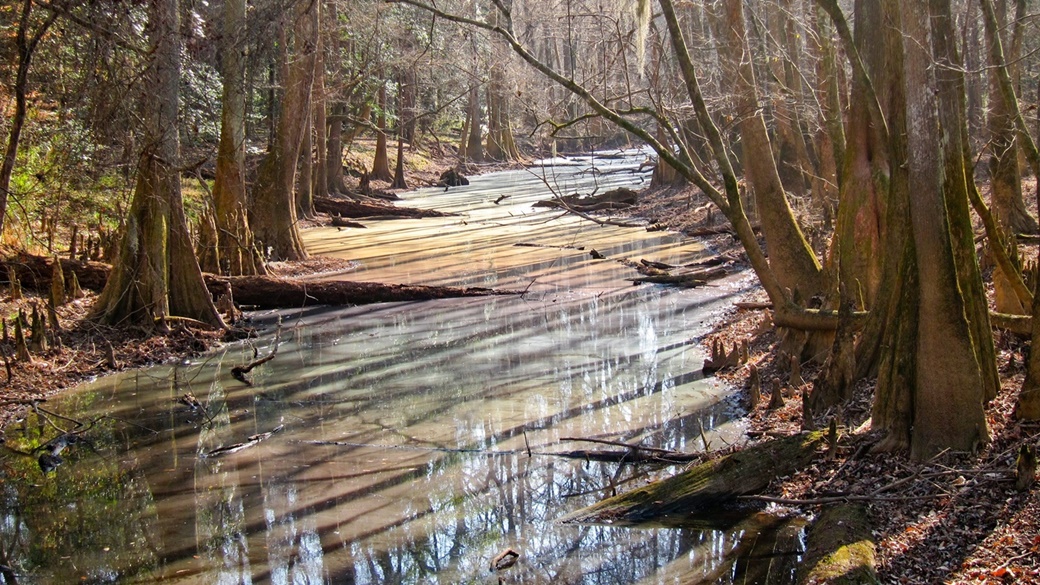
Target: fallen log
point(680, 280)
point(338, 221)
point(688, 279)
point(614, 199)
point(35, 272)
point(628, 456)
point(359, 209)
point(839, 548)
point(267, 292)
point(708, 488)
point(264, 292)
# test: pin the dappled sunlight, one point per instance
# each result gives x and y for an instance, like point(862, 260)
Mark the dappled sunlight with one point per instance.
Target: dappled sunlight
point(418, 439)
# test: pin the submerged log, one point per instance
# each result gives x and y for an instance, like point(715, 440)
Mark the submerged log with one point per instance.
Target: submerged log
point(267, 292)
point(703, 491)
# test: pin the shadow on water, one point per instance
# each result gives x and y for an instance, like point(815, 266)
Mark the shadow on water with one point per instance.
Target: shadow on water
point(419, 440)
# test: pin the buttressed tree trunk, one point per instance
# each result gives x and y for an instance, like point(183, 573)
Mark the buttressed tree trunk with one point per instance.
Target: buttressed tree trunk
point(936, 402)
point(273, 213)
point(156, 274)
point(237, 254)
point(1004, 171)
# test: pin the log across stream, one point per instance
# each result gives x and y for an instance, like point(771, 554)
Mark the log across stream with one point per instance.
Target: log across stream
point(410, 435)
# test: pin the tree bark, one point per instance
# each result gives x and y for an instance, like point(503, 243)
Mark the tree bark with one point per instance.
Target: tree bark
point(273, 213)
point(790, 256)
point(474, 148)
point(937, 403)
point(236, 251)
point(381, 163)
point(1005, 174)
point(156, 274)
point(862, 207)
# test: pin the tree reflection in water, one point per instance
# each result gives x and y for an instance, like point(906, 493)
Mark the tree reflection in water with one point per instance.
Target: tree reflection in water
point(403, 457)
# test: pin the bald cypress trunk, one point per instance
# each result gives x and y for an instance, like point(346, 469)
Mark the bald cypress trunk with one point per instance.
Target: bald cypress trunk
point(156, 274)
point(236, 252)
point(791, 259)
point(936, 402)
point(273, 213)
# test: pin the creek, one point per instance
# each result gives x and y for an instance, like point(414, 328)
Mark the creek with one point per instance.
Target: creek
point(415, 440)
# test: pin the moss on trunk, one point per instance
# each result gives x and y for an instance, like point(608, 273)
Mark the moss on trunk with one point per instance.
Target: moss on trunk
point(839, 548)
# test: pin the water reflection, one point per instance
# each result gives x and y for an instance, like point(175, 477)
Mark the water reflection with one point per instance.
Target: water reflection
point(418, 438)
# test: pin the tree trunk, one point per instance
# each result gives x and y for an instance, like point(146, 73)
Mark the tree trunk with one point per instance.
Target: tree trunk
point(305, 182)
point(26, 46)
point(333, 148)
point(334, 152)
point(273, 213)
point(156, 274)
point(500, 143)
point(236, 252)
point(861, 207)
point(319, 117)
point(957, 177)
point(381, 163)
point(474, 148)
point(790, 256)
point(935, 403)
point(792, 155)
point(1028, 406)
point(1005, 173)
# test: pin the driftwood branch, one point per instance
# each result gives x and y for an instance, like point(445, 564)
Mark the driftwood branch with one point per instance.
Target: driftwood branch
point(251, 441)
point(239, 372)
point(634, 453)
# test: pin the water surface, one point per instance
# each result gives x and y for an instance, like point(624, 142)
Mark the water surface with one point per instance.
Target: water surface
point(415, 440)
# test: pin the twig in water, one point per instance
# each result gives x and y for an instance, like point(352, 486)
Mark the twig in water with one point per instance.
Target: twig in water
point(239, 372)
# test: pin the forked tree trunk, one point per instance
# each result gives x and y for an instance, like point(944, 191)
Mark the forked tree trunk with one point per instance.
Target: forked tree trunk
point(273, 213)
point(236, 252)
point(790, 256)
point(156, 274)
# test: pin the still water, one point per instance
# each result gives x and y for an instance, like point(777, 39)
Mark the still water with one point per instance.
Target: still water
point(408, 442)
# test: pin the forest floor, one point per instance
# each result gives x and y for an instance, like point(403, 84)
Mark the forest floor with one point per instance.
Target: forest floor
point(954, 519)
